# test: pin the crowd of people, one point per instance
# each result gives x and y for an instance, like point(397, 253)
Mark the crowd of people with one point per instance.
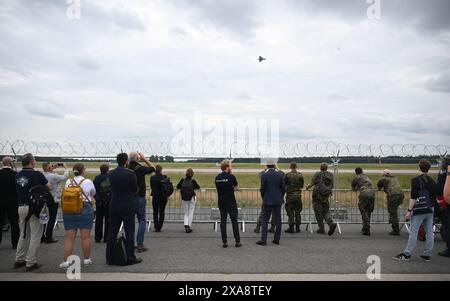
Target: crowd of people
point(119, 196)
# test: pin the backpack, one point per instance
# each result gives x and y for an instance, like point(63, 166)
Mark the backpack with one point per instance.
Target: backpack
point(72, 198)
point(325, 186)
point(423, 203)
point(119, 254)
point(166, 187)
point(187, 190)
point(39, 200)
point(104, 194)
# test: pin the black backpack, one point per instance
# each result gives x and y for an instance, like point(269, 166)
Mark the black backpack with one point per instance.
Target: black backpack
point(39, 198)
point(119, 254)
point(104, 194)
point(423, 203)
point(187, 190)
point(166, 187)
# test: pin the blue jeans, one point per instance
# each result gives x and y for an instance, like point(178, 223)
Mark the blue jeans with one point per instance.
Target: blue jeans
point(416, 222)
point(141, 205)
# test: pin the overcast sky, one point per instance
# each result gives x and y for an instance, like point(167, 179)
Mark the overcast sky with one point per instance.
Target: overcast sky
point(127, 68)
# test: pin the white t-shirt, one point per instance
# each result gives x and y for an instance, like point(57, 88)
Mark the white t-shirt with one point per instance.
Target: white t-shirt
point(87, 186)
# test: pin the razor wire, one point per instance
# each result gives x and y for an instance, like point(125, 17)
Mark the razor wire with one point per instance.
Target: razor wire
point(210, 149)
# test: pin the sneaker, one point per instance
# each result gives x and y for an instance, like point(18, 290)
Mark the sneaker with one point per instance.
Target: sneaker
point(87, 262)
point(402, 257)
point(64, 265)
point(276, 242)
point(426, 258)
point(33, 267)
point(18, 265)
point(261, 243)
point(445, 253)
point(141, 249)
point(238, 245)
point(394, 233)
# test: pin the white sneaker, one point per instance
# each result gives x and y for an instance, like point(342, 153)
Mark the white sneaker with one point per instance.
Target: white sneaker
point(87, 262)
point(64, 265)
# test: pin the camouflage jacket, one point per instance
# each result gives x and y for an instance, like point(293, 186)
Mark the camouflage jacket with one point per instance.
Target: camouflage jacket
point(363, 184)
point(294, 182)
point(390, 185)
point(318, 177)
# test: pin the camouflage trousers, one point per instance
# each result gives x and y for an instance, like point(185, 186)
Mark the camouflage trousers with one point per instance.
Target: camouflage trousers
point(322, 211)
point(261, 217)
point(293, 208)
point(366, 206)
point(393, 202)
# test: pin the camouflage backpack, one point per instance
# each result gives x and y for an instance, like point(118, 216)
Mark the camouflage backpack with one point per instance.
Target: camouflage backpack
point(325, 186)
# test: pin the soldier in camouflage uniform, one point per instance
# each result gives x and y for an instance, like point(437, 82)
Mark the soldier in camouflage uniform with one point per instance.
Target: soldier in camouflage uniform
point(294, 184)
point(366, 204)
point(395, 197)
point(261, 214)
point(323, 185)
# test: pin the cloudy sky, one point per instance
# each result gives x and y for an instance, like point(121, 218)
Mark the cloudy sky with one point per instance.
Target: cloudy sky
point(125, 70)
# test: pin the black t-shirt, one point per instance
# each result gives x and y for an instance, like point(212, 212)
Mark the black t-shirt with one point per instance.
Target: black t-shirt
point(25, 180)
point(428, 184)
point(225, 184)
point(8, 187)
point(141, 171)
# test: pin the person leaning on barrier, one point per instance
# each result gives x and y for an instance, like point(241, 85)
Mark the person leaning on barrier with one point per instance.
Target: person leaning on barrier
point(8, 201)
point(323, 183)
point(395, 197)
point(55, 179)
point(187, 187)
point(272, 191)
point(122, 209)
point(261, 213)
point(82, 221)
point(140, 200)
point(444, 181)
point(102, 200)
point(366, 204)
point(294, 184)
point(28, 247)
point(226, 185)
point(420, 211)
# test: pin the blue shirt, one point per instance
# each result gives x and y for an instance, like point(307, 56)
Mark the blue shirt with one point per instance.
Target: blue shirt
point(26, 179)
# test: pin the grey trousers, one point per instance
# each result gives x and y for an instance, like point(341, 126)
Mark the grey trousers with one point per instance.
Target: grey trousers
point(28, 247)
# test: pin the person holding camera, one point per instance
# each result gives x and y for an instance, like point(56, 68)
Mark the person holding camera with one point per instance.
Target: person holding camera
point(55, 179)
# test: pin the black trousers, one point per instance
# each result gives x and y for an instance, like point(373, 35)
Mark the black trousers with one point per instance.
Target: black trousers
point(232, 211)
point(13, 218)
point(446, 225)
point(101, 214)
point(115, 220)
point(48, 228)
point(159, 208)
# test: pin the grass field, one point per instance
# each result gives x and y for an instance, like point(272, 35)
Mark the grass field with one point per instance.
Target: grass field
point(206, 180)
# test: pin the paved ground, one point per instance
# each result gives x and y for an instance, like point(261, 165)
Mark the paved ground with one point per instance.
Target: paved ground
point(173, 253)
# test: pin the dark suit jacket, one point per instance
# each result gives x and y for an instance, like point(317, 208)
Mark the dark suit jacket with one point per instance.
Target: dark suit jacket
point(124, 189)
point(273, 187)
point(8, 194)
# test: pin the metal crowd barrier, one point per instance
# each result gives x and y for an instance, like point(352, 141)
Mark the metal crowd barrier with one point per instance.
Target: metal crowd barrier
point(343, 208)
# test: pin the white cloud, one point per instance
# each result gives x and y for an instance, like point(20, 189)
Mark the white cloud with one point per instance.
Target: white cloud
point(124, 71)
